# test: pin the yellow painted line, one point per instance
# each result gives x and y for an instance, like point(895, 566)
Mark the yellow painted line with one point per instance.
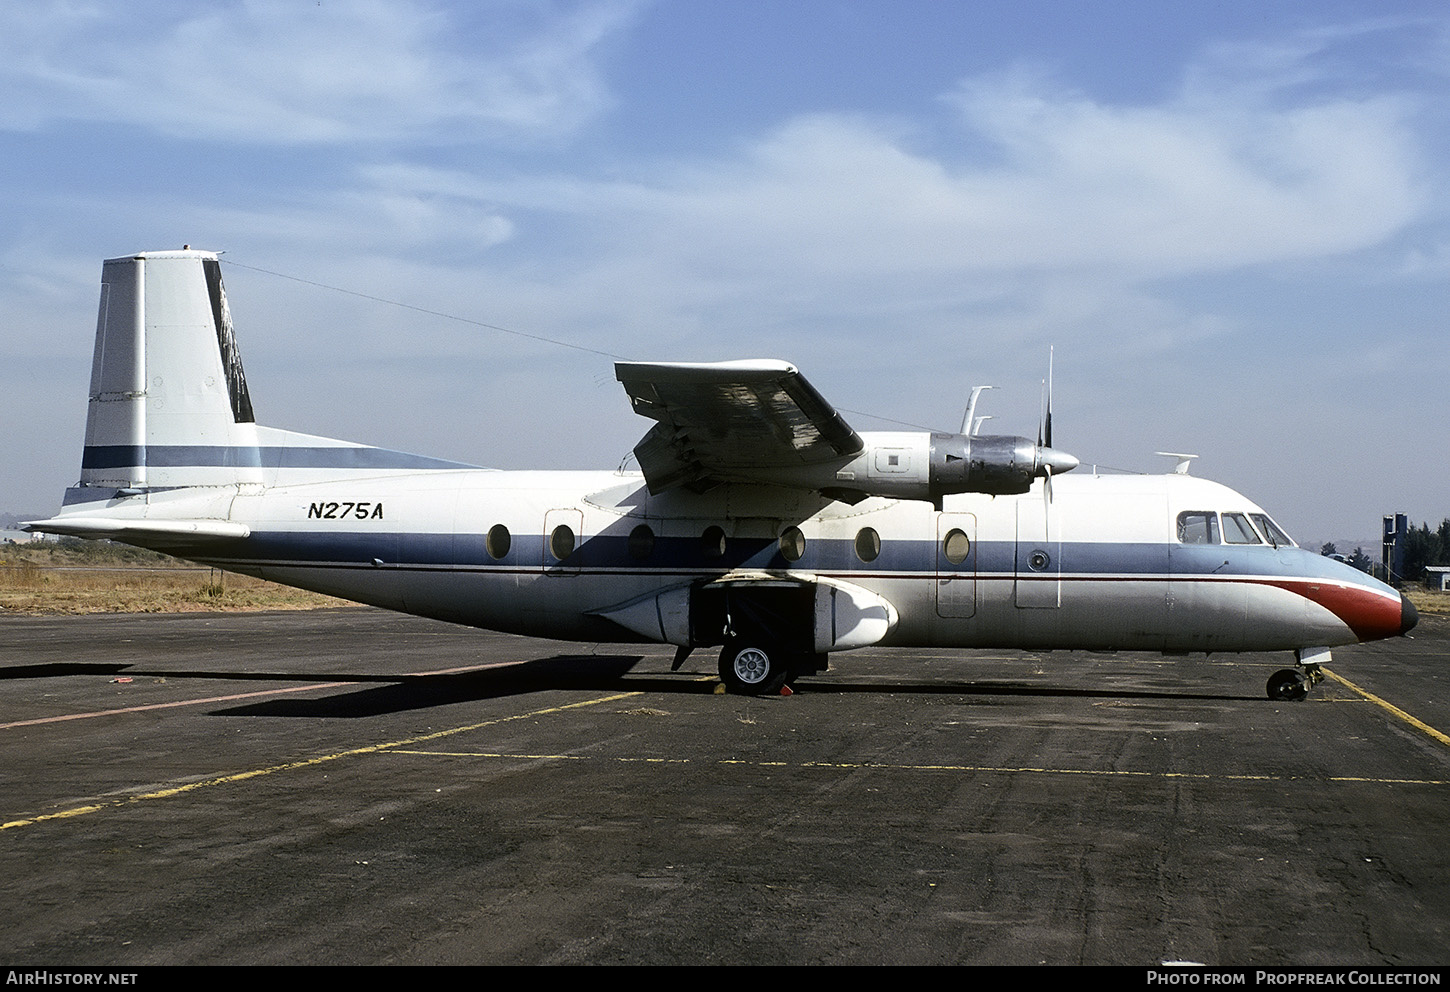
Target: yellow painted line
point(1390, 707)
point(881, 766)
point(540, 757)
point(491, 754)
point(304, 763)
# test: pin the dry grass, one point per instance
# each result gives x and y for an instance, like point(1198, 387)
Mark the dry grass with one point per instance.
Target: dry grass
point(1428, 601)
point(97, 577)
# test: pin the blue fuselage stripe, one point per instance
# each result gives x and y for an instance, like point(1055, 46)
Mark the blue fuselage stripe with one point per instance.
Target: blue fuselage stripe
point(606, 552)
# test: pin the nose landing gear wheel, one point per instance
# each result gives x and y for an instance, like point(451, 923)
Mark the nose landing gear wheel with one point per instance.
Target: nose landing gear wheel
point(1288, 685)
point(753, 670)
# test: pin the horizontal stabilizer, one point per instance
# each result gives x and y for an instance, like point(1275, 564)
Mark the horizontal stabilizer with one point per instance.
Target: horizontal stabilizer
point(136, 531)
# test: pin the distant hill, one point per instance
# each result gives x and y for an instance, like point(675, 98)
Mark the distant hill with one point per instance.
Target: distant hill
point(1346, 546)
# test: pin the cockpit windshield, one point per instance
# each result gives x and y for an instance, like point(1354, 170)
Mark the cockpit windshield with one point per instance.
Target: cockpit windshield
point(1272, 531)
point(1203, 527)
point(1238, 530)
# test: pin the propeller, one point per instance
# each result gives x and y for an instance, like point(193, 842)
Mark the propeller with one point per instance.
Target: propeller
point(994, 464)
point(1049, 460)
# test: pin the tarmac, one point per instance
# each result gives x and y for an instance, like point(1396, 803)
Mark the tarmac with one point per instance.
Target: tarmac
point(357, 787)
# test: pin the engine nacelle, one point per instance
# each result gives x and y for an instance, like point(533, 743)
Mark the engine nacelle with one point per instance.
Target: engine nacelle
point(1000, 465)
point(925, 466)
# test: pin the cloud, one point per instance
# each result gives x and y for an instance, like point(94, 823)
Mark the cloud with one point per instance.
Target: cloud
point(1264, 213)
point(1190, 187)
point(277, 73)
point(1024, 196)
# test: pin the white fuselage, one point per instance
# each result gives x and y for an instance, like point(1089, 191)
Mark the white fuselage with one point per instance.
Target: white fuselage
point(1099, 567)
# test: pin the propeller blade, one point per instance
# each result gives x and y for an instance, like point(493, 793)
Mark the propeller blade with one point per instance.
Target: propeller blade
point(1042, 415)
point(1047, 418)
point(1047, 501)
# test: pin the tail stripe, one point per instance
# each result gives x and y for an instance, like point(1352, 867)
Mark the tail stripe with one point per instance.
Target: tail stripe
point(106, 456)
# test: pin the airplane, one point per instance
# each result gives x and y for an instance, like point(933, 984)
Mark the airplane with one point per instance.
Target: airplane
point(759, 521)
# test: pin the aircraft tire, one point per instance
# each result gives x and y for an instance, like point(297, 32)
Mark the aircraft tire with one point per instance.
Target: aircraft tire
point(1287, 685)
point(753, 669)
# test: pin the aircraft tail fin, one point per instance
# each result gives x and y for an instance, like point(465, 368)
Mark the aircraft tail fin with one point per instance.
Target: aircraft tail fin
point(169, 404)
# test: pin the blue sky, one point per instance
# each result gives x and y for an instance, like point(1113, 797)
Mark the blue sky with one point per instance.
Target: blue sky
point(1229, 219)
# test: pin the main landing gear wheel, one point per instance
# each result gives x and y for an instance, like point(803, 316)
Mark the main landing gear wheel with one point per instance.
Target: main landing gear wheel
point(1288, 685)
point(753, 670)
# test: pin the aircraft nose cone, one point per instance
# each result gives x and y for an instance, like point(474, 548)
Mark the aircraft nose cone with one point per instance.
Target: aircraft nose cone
point(1409, 616)
point(1058, 461)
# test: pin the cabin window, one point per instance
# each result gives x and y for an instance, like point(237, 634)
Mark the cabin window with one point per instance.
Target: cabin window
point(1238, 530)
point(1198, 527)
point(641, 542)
point(792, 544)
point(868, 544)
point(1272, 532)
point(497, 542)
point(561, 541)
point(956, 546)
point(712, 542)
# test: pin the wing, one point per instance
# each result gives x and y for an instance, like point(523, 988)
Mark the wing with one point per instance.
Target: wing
point(727, 421)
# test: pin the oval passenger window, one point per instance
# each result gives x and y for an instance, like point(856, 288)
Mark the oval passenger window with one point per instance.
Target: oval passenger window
point(868, 544)
point(956, 546)
point(497, 542)
point(561, 542)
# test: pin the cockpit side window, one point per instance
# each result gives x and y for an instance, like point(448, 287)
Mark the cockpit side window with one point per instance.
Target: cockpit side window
point(1238, 530)
point(1198, 527)
point(1272, 531)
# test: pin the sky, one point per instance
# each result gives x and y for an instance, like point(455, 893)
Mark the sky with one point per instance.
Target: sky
point(442, 222)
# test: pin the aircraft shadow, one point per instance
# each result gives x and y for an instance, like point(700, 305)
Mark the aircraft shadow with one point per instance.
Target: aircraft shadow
point(612, 673)
point(61, 669)
point(818, 687)
point(591, 673)
point(415, 692)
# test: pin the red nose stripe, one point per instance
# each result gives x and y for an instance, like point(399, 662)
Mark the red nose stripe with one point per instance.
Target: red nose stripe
point(1369, 614)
